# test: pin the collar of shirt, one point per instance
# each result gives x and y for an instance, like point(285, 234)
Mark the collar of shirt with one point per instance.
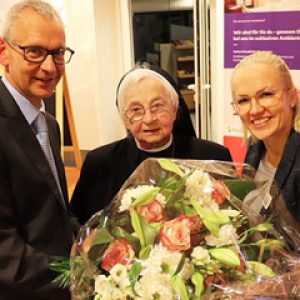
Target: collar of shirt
point(161, 148)
point(29, 111)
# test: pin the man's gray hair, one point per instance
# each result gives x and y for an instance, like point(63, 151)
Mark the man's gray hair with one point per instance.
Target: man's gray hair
point(41, 7)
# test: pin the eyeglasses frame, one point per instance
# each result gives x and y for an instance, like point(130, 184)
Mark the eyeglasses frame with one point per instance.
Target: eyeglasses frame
point(52, 52)
point(145, 108)
point(238, 110)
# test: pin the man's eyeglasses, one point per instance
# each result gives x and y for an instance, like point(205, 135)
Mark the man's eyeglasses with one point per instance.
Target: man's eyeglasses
point(265, 98)
point(35, 54)
point(137, 112)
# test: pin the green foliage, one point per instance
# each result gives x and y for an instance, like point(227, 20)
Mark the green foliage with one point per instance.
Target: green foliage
point(240, 187)
point(168, 165)
point(61, 265)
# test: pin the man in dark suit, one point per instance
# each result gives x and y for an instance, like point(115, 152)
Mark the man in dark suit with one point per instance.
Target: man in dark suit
point(35, 222)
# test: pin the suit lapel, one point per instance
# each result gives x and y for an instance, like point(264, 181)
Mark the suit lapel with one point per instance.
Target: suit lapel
point(287, 161)
point(21, 131)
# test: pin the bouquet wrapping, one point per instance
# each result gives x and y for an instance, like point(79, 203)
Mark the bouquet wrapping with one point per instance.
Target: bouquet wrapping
point(181, 229)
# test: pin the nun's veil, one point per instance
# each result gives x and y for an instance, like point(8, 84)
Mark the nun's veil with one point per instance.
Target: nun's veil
point(183, 123)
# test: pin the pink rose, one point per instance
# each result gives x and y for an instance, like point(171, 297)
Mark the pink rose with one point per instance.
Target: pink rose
point(175, 234)
point(152, 212)
point(195, 224)
point(220, 192)
point(120, 251)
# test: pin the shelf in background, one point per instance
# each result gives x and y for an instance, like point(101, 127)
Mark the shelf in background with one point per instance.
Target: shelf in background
point(185, 76)
point(185, 58)
point(183, 47)
point(188, 96)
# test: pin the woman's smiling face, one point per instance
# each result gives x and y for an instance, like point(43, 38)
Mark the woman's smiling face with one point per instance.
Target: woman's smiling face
point(265, 101)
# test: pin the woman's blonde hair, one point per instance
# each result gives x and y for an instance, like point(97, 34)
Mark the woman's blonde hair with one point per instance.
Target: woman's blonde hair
point(271, 59)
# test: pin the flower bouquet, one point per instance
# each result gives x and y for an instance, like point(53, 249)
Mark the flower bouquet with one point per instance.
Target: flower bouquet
point(179, 230)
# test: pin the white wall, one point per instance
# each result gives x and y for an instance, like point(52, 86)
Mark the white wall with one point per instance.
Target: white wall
point(99, 32)
point(95, 31)
point(217, 69)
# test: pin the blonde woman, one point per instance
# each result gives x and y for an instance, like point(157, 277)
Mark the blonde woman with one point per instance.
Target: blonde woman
point(266, 99)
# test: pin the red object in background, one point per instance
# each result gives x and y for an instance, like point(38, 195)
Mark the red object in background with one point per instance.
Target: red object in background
point(230, 6)
point(236, 147)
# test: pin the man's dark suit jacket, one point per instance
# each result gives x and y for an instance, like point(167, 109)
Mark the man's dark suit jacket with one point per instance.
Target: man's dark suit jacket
point(287, 176)
point(105, 169)
point(34, 220)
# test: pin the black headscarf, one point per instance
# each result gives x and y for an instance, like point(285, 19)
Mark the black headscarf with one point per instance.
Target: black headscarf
point(183, 123)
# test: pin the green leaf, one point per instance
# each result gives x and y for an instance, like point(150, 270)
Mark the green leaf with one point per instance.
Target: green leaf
point(61, 265)
point(118, 232)
point(172, 183)
point(180, 288)
point(146, 198)
point(169, 165)
point(261, 269)
point(211, 219)
point(216, 217)
point(198, 281)
point(180, 265)
point(270, 243)
point(211, 227)
point(134, 272)
point(145, 232)
point(225, 256)
point(240, 187)
point(137, 226)
point(262, 227)
point(259, 228)
point(102, 237)
point(144, 253)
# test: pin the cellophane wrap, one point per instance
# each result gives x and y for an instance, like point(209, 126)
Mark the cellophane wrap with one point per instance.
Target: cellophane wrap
point(183, 229)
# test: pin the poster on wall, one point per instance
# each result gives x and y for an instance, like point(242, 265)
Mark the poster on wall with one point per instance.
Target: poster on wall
point(271, 25)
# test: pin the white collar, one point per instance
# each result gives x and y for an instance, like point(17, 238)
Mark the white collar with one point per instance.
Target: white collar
point(161, 148)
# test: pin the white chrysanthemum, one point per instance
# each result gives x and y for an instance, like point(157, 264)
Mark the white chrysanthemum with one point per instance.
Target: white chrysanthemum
point(199, 187)
point(161, 199)
point(187, 270)
point(230, 212)
point(200, 256)
point(209, 203)
point(107, 297)
point(119, 274)
point(161, 260)
point(155, 286)
point(227, 236)
point(131, 194)
point(103, 285)
point(117, 294)
point(107, 288)
point(199, 180)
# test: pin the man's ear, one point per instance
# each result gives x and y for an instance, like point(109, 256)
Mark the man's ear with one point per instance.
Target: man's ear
point(3, 52)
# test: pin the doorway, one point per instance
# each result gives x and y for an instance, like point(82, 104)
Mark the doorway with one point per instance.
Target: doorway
point(174, 34)
point(163, 35)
